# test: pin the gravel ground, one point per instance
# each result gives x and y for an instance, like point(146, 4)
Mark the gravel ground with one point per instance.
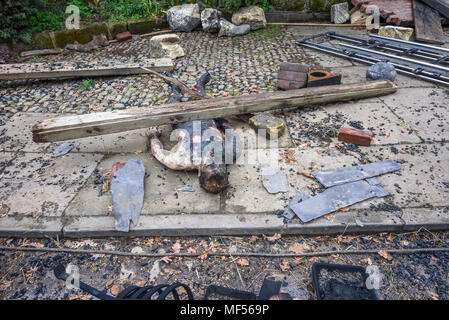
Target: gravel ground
point(29, 275)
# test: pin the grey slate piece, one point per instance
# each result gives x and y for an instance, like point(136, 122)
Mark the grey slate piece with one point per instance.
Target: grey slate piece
point(333, 177)
point(127, 194)
point(274, 181)
point(64, 148)
point(335, 198)
point(288, 212)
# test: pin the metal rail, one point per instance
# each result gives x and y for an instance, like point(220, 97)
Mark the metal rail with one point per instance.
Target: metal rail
point(368, 51)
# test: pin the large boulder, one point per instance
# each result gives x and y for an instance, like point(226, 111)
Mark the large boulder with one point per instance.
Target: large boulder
point(252, 15)
point(166, 45)
point(231, 30)
point(210, 20)
point(184, 17)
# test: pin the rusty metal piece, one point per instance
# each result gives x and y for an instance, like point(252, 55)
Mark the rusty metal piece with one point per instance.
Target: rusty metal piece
point(316, 78)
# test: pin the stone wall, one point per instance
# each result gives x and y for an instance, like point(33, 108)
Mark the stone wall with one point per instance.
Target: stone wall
point(304, 5)
point(59, 39)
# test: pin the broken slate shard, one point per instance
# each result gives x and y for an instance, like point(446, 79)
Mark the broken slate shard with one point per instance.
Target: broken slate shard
point(274, 181)
point(288, 212)
point(335, 198)
point(64, 148)
point(333, 177)
point(186, 189)
point(127, 191)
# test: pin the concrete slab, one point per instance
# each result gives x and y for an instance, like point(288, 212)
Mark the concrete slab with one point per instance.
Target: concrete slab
point(38, 185)
point(319, 126)
point(29, 227)
point(428, 218)
point(423, 110)
point(18, 137)
point(161, 195)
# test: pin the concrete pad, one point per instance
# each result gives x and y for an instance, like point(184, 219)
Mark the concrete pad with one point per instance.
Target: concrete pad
point(430, 219)
point(19, 137)
point(39, 185)
point(161, 195)
point(246, 193)
point(422, 178)
point(423, 110)
point(326, 60)
point(29, 227)
point(305, 31)
point(307, 124)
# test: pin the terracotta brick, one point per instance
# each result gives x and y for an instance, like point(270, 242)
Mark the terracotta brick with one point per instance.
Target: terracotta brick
point(316, 78)
point(355, 136)
point(296, 67)
point(123, 36)
point(115, 167)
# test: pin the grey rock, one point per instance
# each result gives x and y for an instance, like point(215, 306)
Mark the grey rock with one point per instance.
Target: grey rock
point(64, 148)
point(231, 30)
point(184, 17)
point(210, 20)
point(127, 189)
point(274, 181)
point(118, 106)
point(381, 71)
point(252, 15)
point(340, 13)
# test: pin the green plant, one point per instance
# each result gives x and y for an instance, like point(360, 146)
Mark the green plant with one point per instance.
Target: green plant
point(233, 5)
point(119, 10)
point(15, 17)
point(87, 84)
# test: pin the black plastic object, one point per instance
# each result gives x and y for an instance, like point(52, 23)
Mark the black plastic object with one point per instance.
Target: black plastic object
point(201, 83)
point(222, 292)
point(131, 292)
point(345, 282)
point(270, 288)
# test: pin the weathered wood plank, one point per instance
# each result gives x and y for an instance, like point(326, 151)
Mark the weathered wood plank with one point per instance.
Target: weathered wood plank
point(22, 71)
point(42, 52)
point(94, 124)
point(427, 23)
point(442, 6)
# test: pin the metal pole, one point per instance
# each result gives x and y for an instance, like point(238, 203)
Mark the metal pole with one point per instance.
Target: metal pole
point(411, 44)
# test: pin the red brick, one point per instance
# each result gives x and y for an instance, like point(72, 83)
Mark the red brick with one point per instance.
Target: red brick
point(123, 36)
point(290, 66)
point(116, 167)
point(355, 136)
point(292, 76)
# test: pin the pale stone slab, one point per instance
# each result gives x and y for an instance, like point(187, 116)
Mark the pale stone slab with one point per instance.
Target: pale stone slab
point(430, 219)
point(424, 110)
point(39, 185)
point(161, 195)
point(319, 126)
point(29, 227)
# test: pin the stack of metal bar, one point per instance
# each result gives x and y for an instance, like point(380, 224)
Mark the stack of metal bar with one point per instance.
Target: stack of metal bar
point(424, 61)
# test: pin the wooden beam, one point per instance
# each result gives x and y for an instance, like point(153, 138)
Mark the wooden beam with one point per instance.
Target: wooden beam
point(427, 24)
point(22, 71)
point(94, 124)
point(42, 52)
point(442, 6)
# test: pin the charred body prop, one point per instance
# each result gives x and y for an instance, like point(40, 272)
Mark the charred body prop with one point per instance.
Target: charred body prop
point(423, 61)
point(200, 145)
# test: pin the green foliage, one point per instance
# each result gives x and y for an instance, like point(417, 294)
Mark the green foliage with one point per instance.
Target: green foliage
point(119, 10)
point(233, 5)
point(14, 19)
point(87, 84)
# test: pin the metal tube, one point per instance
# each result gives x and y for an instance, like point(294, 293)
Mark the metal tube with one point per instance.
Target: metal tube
point(411, 62)
point(411, 44)
point(402, 69)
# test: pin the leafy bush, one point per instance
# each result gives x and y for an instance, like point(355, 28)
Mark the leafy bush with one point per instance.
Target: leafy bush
point(15, 21)
point(233, 5)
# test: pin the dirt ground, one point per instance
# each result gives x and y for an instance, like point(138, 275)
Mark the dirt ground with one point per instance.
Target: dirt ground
point(29, 275)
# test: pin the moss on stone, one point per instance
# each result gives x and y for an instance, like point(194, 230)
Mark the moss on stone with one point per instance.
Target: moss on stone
point(84, 35)
point(285, 5)
point(40, 40)
point(142, 26)
point(117, 27)
point(65, 37)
